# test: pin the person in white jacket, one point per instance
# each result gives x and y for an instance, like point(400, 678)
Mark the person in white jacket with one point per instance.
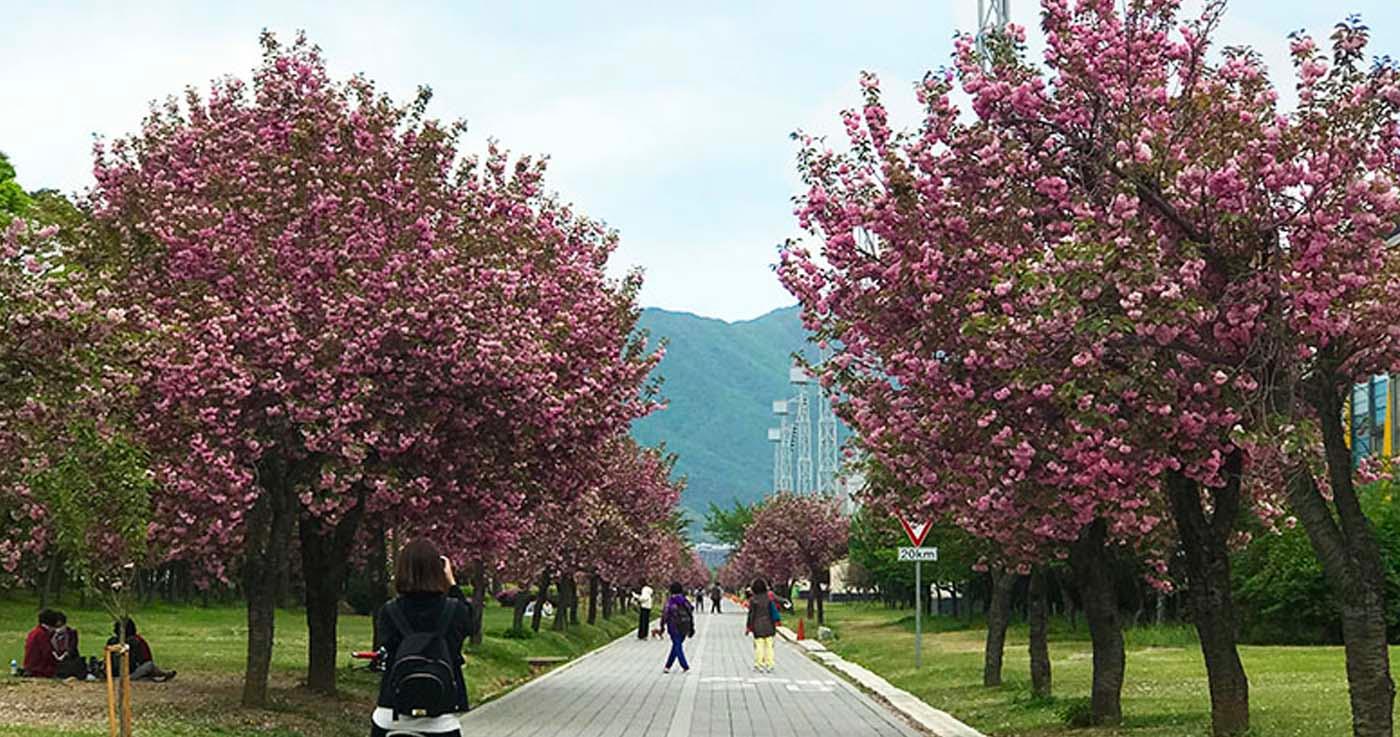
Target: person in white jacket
point(644, 609)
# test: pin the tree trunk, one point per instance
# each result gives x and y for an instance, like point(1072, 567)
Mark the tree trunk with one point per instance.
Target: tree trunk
point(1346, 545)
point(480, 583)
point(593, 583)
point(1067, 598)
point(522, 600)
point(268, 534)
point(998, 617)
point(1037, 614)
point(46, 592)
point(539, 602)
point(1091, 560)
point(573, 600)
point(1206, 556)
point(607, 600)
point(561, 607)
point(325, 554)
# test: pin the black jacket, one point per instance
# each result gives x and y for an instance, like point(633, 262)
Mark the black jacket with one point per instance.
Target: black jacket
point(422, 612)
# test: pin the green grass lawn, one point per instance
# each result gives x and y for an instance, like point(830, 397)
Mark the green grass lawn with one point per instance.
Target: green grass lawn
point(1294, 690)
point(208, 648)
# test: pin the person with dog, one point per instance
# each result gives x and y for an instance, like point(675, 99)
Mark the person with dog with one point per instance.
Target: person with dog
point(678, 617)
point(423, 629)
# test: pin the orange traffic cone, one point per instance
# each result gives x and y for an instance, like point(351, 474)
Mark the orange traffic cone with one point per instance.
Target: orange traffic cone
point(801, 628)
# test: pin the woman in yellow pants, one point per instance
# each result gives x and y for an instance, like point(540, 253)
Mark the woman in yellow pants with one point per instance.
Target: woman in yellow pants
point(763, 625)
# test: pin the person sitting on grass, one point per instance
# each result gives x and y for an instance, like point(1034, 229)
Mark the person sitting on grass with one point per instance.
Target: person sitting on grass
point(143, 666)
point(39, 660)
point(65, 649)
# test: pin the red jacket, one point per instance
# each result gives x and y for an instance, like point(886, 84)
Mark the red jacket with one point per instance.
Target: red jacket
point(39, 661)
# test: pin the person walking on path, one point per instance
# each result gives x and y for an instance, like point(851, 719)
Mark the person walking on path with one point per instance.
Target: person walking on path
point(423, 689)
point(678, 617)
point(643, 611)
point(763, 623)
point(716, 593)
point(700, 600)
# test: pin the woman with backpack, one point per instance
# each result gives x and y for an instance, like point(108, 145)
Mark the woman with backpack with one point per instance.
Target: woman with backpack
point(423, 629)
point(678, 617)
point(763, 625)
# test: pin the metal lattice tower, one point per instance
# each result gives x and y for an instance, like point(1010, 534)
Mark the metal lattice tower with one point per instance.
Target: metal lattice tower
point(783, 453)
point(992, 17)
point(827, 451)
point(802, 419)
point(775, 436)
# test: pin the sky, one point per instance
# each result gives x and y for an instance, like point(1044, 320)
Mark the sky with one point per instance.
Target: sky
point(670, 122)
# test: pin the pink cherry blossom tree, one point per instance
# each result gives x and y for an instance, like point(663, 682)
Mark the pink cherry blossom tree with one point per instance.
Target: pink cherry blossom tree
point(1069, 318)
point(636, 499)
point(796, 535)
point(347, 323)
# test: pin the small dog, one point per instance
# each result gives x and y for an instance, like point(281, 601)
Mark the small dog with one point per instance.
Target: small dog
point(658, 632)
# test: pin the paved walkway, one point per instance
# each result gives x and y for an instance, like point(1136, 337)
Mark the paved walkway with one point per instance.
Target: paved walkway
point(620, 691)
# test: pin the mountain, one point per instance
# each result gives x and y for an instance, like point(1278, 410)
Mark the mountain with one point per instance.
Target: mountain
point(719, 380)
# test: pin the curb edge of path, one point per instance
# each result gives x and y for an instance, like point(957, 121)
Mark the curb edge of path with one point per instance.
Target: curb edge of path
point(549, 673)
point(934, 721)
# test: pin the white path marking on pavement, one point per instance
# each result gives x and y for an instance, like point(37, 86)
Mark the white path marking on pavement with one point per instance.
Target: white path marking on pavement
point(817, 687)
point(685, 710)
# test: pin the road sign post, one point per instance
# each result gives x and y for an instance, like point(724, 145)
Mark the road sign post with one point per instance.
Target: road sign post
point(916, 534)
point(918, 614)
point(918, 555)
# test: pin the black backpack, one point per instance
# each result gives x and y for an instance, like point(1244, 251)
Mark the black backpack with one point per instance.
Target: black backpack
point(422, 679)
point(685, 620)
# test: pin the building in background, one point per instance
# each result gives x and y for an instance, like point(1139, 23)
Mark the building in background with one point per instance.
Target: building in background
point(1371, 418)
point(1372, 413)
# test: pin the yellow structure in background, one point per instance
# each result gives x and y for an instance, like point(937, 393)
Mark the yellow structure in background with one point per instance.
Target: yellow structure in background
point(1372, 416)
point(1372, 412)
